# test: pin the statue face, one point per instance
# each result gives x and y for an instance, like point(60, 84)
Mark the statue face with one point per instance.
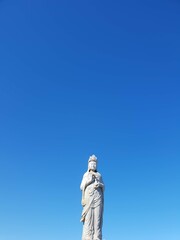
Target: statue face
point(92, 165)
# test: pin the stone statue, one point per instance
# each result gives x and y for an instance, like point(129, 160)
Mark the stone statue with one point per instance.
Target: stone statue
point(92, 188)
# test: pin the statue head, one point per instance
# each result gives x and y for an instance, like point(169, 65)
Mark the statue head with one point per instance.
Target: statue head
point(92, 163)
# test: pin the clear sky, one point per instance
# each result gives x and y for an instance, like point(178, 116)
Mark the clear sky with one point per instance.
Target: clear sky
point(84, 77)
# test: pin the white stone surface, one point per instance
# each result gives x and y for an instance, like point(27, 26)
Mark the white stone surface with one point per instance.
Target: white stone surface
point(92, 188)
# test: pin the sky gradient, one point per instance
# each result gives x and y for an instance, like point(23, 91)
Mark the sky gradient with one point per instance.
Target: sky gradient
point(89, 77)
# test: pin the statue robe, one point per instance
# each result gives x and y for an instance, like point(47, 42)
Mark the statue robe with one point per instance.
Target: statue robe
point(93, 203)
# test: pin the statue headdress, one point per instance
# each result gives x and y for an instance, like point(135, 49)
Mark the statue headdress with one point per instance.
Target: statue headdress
point(92, 158)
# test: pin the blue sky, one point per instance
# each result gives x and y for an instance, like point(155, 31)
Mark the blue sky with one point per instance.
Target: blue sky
point(84, 77)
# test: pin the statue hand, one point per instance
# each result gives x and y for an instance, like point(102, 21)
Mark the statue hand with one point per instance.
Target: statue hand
point(90, 178)
point(96, 185)
point(92, 173)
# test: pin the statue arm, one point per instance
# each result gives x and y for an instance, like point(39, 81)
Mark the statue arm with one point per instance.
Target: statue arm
point(87, 180)
point(101, 183)
point(82, 184)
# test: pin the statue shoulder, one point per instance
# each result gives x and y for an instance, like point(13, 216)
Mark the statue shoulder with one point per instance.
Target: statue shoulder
point(85, 174)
